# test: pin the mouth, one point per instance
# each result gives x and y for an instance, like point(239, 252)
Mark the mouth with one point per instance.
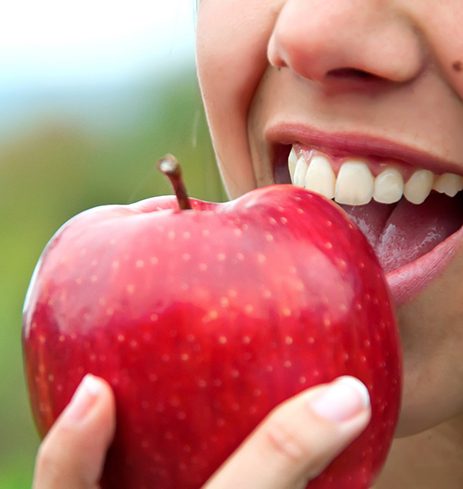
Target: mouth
point(408, 205)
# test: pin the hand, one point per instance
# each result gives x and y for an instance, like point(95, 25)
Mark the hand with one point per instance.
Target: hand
point(291, 446)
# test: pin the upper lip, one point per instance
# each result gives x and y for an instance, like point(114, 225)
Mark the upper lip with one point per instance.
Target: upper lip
point(358, 144)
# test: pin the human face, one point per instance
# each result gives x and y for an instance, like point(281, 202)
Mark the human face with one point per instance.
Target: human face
point(375, 80)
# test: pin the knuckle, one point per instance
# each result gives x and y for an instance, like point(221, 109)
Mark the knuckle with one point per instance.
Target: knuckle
point(286, 441)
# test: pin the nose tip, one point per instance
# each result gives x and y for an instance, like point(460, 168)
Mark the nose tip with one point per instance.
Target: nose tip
point(331, 42)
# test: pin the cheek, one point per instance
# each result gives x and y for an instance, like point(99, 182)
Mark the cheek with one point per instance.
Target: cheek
point(432, 338)
point(232, 37)
point(442, 24)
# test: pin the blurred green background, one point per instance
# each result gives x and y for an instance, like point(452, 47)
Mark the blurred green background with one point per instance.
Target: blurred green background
point(70, 140)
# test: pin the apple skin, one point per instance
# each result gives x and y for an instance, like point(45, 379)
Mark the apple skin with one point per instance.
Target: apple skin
point(203, 320)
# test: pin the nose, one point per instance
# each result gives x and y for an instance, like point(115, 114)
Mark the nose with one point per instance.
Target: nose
point(346, 40)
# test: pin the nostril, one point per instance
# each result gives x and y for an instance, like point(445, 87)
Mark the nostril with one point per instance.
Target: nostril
point(352, 73)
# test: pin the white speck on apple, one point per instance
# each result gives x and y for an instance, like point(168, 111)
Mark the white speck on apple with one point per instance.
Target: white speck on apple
point(130, 288)
point(232, 293)
point(235, 373)
point(139, 264)
point(267, 294)
point(289, 340)
point(286, 312)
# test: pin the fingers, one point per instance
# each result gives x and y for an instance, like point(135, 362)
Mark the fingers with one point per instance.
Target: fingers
point(298, 439)
point(72, 454)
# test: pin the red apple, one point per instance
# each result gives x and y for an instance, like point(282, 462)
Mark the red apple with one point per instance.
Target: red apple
point(204, 319)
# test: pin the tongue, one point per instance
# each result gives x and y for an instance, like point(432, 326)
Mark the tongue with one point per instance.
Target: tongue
point(401, 233)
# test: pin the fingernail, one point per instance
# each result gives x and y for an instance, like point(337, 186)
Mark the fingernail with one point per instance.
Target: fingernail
point(83, 399)
point(342, 400)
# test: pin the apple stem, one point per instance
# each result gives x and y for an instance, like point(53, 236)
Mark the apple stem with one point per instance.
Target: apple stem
point(171, 168)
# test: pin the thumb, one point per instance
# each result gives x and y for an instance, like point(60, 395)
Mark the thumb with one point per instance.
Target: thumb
point(299, 438)
point(73, 452)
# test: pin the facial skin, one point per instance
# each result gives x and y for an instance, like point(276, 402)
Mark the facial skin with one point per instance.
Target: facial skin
point(263, 63)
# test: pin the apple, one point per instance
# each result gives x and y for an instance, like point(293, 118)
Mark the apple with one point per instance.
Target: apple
point(205, 317)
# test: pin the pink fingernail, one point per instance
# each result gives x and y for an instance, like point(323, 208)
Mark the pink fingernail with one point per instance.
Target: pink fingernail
point(341, 400)
point(83, 399)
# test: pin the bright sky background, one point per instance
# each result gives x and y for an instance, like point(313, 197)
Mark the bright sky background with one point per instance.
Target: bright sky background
point(69, 42)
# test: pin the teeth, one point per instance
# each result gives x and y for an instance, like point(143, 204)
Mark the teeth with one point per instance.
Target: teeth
point(389, 186)
point(448, 184)
point(300, 172)
point(419, 186)
point(292, 160)
point(320, 177)
point(355, 184)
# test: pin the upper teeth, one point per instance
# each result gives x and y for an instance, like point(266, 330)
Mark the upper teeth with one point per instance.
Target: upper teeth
point(356, 185)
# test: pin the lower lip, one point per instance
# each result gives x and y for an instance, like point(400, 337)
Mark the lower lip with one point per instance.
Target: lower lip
point(408, 281)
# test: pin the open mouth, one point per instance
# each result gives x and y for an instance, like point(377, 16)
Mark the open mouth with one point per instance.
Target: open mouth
point(411, 216)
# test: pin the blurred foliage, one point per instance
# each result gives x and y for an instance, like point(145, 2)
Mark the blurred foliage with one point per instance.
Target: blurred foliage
point(60, 167)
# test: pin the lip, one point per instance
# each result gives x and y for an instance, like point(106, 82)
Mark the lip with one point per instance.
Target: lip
point(408, 281)
point(363, 145)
